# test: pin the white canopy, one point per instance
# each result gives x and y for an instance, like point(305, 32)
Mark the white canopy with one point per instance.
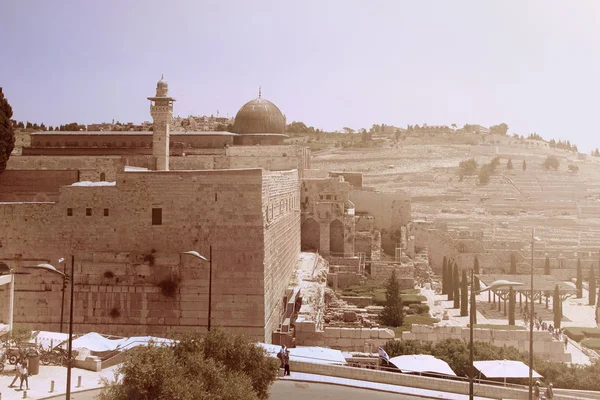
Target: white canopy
point(422, 363)
point(95, 342)
point(504, 369)
point(48, 339)
point(317, 355)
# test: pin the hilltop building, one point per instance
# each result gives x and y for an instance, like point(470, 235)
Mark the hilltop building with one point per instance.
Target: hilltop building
point(127, 205)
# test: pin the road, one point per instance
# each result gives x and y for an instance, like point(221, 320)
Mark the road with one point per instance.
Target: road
point(289, 390)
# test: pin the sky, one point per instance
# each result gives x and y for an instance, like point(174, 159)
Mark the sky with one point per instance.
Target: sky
point(532, 64)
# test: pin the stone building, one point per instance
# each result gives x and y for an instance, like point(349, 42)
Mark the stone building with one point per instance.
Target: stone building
point(126, 205)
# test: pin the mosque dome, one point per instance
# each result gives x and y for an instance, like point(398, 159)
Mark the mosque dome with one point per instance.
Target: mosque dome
point(162, 88)
point(259, 116)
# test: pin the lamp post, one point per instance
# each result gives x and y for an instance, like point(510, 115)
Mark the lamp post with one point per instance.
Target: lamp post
point(62, 303)
point(51, 268)
point(494, 285)
point(200, 256)
point(533, 240)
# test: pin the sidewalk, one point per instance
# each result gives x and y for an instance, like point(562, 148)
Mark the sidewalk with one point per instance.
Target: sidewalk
point(39, 384)
point(383, 387)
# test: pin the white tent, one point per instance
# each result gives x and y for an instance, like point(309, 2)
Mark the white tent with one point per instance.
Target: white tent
point(419, 363)
point(316, 355)
point(95, 342)
point(504, 369)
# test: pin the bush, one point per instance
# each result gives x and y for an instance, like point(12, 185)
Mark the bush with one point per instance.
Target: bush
point(484, 174)
point(551, 162)
point(419, 308)
point(468, 167)
point(573, 168)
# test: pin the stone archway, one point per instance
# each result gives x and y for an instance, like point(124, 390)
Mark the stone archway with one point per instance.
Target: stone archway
point(310, 235)
point(336, 236)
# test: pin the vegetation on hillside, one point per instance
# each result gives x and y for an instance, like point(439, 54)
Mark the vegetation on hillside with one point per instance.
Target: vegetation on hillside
point(393, 310)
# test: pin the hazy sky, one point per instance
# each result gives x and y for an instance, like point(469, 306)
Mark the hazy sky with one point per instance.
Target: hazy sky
point(532, 64)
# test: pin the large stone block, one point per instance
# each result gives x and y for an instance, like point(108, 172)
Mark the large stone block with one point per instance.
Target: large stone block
point(346, 333)
point(365, 333)
point(332, 332)
point(385, 333)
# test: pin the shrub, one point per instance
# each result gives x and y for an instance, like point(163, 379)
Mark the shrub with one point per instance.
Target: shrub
point(551, 162)
point(468, 167)
point(494, 163)
point(509, 164)
point(573, 168)
point(419, 308)
point(484, 174)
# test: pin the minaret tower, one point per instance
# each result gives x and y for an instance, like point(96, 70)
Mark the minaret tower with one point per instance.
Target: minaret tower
point(161, 109)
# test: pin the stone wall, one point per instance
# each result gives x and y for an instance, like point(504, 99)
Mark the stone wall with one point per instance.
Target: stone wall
point(391, 211)
point(543, 345)
point(405, 274)
point(345, 339)
point(122, 259)
point(24, 185)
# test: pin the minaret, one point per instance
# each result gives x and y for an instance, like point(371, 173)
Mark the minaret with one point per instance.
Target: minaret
point(161, 109)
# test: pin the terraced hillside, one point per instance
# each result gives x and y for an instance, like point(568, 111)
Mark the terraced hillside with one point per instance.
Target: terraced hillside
point(563, 206)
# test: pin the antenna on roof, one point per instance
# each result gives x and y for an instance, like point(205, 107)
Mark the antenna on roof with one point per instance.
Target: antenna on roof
point(259, 92)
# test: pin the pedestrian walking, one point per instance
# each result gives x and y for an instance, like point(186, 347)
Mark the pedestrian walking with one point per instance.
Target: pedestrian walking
point(18, 371)
point(25, 377)
point(286, 359)
point(549, 392)
point(536, 390)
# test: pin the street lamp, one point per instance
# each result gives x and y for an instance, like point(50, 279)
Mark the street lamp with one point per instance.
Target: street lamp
point(62, 303)
point(533, 240)
point(494, 285)
point(200, 256)
point(53, 269)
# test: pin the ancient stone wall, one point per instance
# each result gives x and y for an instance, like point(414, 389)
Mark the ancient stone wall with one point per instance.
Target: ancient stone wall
point(281, 213)
point(130, 277)
point(390, 210)
point(24, 185)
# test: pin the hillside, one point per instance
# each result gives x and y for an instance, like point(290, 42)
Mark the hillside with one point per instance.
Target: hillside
point(564, 207)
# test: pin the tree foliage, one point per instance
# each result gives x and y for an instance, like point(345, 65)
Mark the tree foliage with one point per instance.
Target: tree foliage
point(556, 307)
point(464, 295)
point(547, 266)
point(592, 288)
point(445, 276)
point(456, 282)
point(476, 284)
point(501, 129)
point(509, 164)
point(7, 133)
point(484, 174)
point(393, 310)
point(219, 366)
point(468, 167)
point(524, 165)
point(513, 264)
point(450, 280)
point(580, 279)
point(551, 162)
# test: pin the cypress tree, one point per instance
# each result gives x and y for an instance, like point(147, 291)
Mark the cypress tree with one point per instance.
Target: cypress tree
point(476, 285)
point(511, 306)
point(557, 307)
point(547, 266)
point(513, 264)
point(456, 280)
point(393, 310)
point(445, 276)
point(580, 279)
point(464, 295)
point(450, 280)
point(592, 288)
point(7, 133)
point(509, 164)
point(524, 165)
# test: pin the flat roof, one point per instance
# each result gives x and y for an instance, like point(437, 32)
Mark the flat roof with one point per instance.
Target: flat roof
point(540, 283)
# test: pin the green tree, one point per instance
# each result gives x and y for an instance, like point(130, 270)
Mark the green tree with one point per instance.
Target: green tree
point(494, 163)
point(511, 306)
point(476, 284)
point(500, 129)
point(484, 174)
point(468, 167)
point(580, 279)
point(450, 280)
point(547, 266)
point(524, 165)
point(456, 282)
point(464, 295)
point(551, 162)
point(29, 125)
point(445, 276)
point(513, 264)
point(393, 310)
point(219, 366)
point(509, 164)
point(556, 307)
point(7, 133)
point(592, 288)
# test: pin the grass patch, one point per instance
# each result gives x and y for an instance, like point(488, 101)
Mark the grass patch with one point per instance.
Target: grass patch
point(500, 327)
point(578, 333)
point(593, 344)
point(411, 320)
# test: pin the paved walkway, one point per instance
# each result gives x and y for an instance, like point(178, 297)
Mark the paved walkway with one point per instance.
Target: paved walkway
point(39, 385)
